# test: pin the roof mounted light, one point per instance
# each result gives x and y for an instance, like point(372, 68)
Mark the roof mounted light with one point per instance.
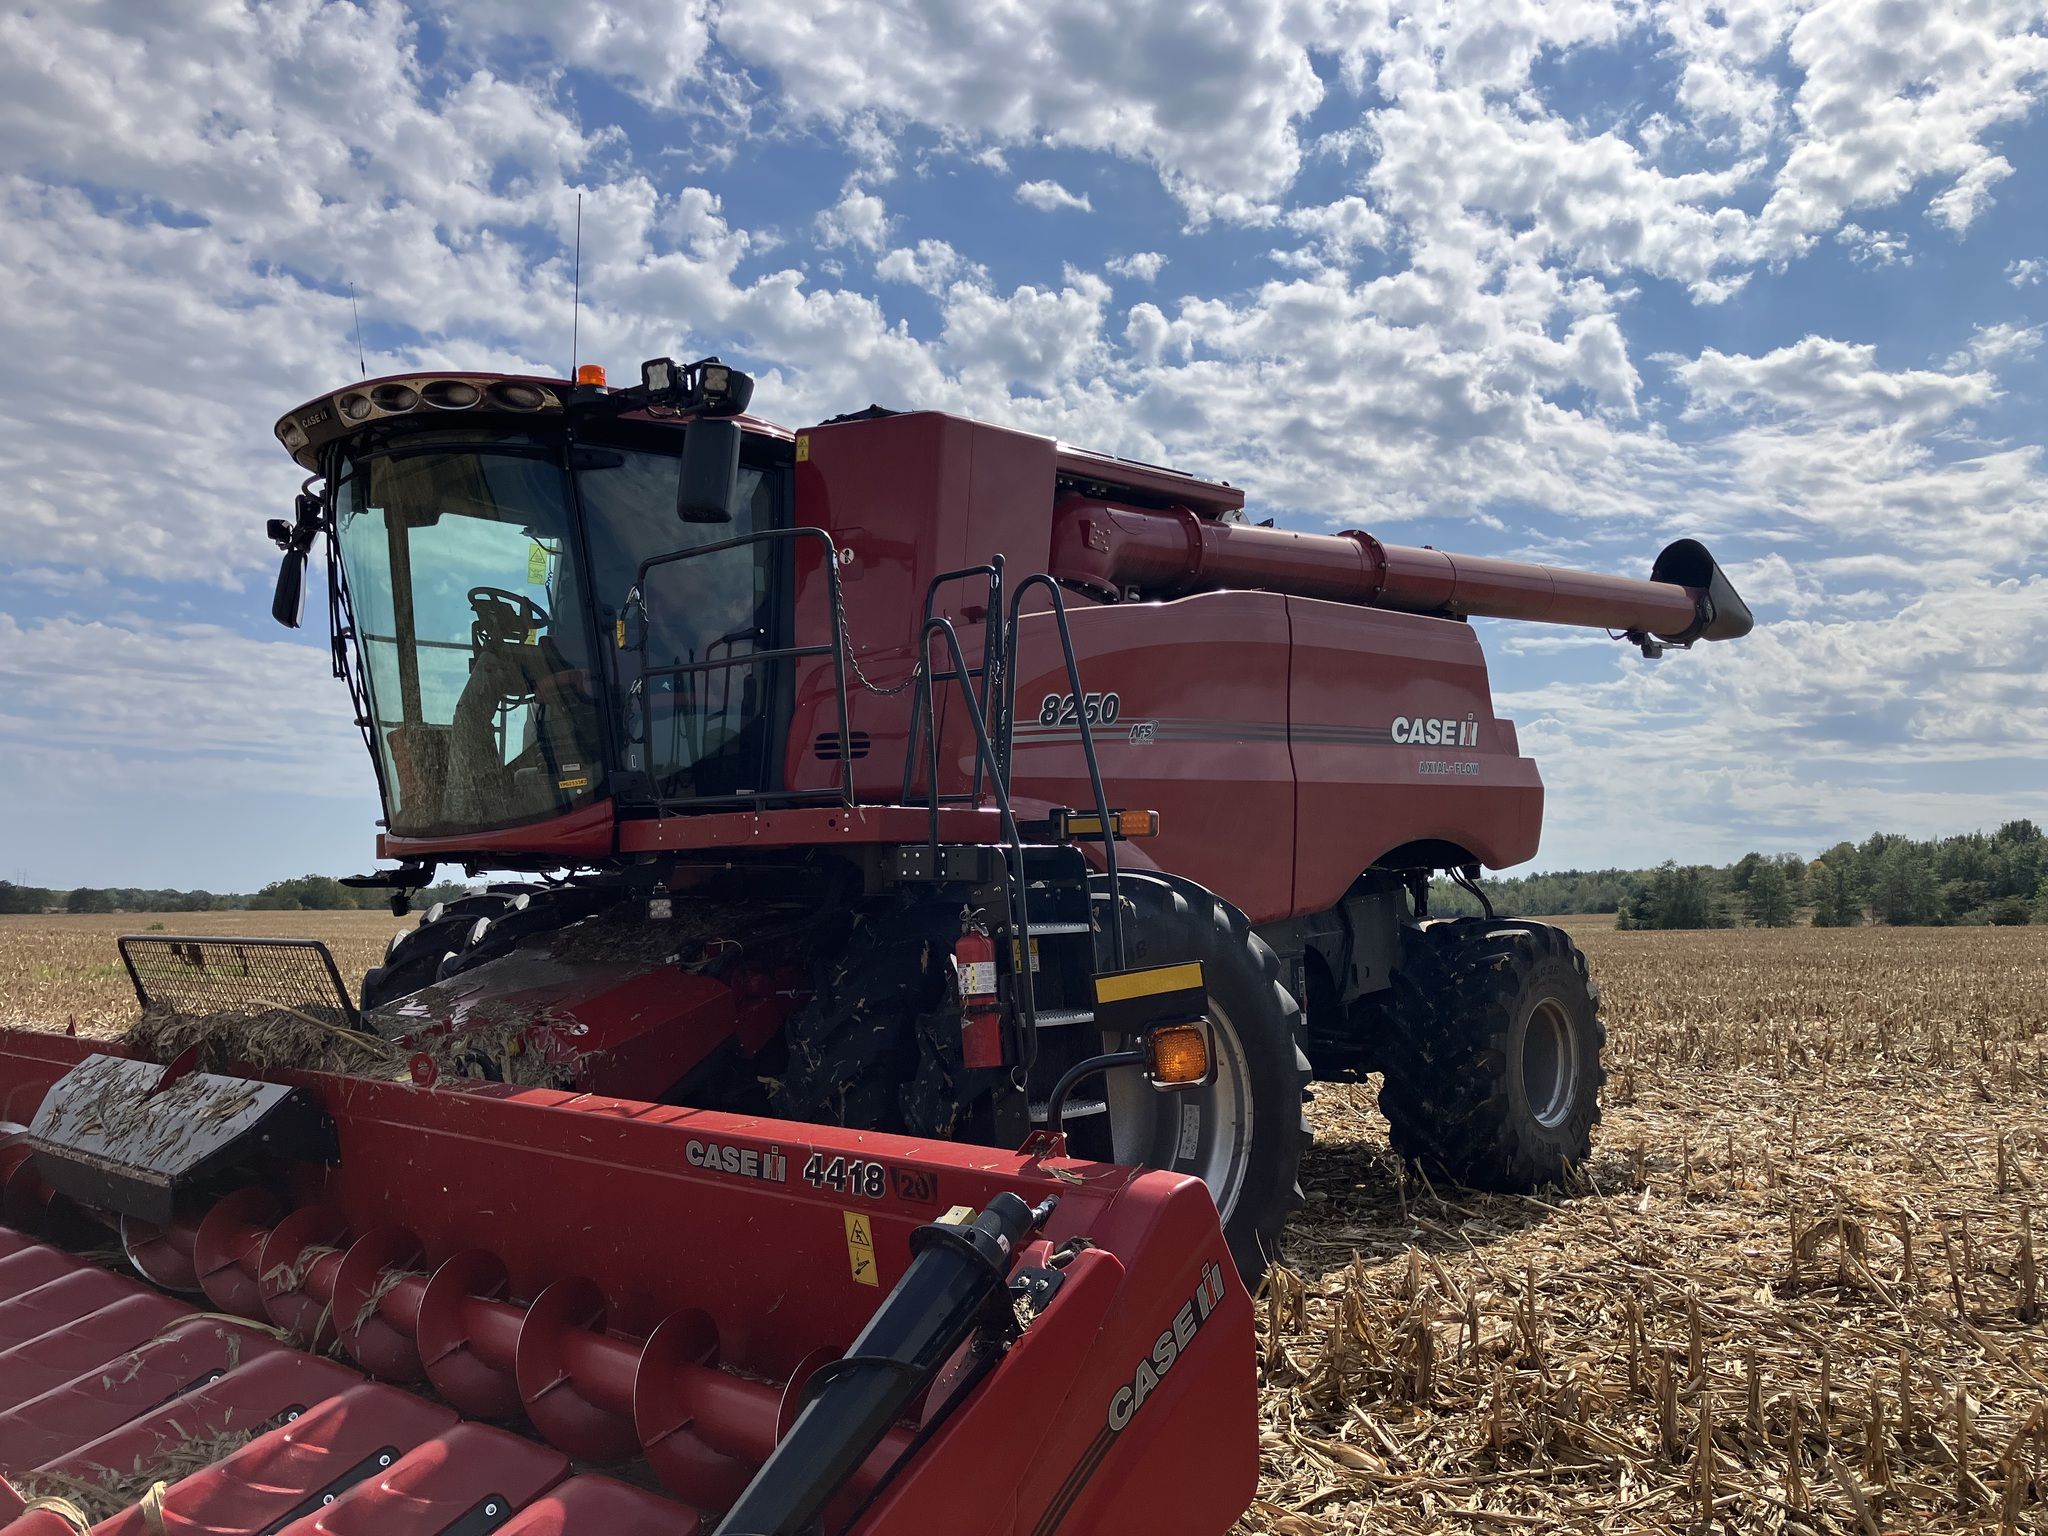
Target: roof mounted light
point(451, 394)
point(518, 397)
point(660, 377)
point(708, 386)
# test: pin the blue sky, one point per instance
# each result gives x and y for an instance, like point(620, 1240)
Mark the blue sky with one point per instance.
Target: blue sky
point(1559, 280)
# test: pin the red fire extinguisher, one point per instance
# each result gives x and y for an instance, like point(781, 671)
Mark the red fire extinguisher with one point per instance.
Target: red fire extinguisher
point(981, 1011)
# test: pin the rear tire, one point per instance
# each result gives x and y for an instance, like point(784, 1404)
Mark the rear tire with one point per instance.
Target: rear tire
point(1246, 1132)
point(1491, 1053)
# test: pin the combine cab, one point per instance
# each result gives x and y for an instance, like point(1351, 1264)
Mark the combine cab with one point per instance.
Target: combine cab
point(859, 1114)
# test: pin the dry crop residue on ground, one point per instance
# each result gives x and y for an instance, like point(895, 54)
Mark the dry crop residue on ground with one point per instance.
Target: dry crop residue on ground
point(56, 969)
point(1799, 1290)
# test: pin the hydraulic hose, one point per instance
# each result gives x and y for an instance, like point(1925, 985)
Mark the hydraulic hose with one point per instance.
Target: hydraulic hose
point(853, 1402)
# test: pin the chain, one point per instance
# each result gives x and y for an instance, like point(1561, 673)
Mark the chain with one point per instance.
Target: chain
point(853, 661)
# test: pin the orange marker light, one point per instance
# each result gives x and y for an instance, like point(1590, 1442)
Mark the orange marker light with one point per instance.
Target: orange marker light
point(591, 373)
point(1180, 1054)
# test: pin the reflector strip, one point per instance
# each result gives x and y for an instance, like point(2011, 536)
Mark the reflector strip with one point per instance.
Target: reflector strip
point(1123, 987)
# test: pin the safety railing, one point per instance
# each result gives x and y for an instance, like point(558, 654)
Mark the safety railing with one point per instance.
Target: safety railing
point(1008, 731)
point(643, 685)
point(991, 715)
point(988, 674)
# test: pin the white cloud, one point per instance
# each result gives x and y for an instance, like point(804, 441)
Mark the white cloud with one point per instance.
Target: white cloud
point(1828, 381)
point(1340, 230)
point(1893, 94)
point(1884, 711)
point(932, 265)
point(1995, 343)
point(176, 703)
point(858, 218)
point(653, 46)
point(1049, 196)
point(1212, 104)
point(1959, 206)
point(1145, 266)
point(2025, 271)
point(1873, 247)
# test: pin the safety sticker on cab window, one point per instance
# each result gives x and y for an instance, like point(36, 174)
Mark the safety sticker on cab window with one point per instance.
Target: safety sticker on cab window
point(860, 1248)
point(536, 565)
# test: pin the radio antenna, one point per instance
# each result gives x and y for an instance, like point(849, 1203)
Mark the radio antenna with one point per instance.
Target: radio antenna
point(361, 362)
point(576, 293)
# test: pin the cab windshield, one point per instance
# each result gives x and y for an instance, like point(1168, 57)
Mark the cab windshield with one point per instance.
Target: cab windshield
point(475, 645)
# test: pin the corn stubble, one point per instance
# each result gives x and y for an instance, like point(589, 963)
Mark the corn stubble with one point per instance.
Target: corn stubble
point(1797, 1288)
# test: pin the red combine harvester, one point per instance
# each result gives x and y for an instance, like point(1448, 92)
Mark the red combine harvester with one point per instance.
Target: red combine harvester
point(852, 863)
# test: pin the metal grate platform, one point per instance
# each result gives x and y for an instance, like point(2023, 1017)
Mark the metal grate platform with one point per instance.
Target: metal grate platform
point(230, 975)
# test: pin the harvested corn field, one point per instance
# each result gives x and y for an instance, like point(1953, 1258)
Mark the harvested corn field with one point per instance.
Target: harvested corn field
point(1797, 1289)
point(59, 969)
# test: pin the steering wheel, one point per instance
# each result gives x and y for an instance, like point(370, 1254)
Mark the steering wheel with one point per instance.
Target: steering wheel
point(503, 618)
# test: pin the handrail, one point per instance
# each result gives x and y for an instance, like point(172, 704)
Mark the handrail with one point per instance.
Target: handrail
point(637, 598)
point(1013, 853)
point(1008, 726)
point(923, 709)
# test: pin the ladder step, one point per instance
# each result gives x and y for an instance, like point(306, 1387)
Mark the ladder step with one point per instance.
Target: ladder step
point(1077, 1109)
point(1056, 1018)
point(1045, 930)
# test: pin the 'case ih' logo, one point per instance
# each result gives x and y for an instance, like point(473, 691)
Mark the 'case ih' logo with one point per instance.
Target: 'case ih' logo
point(1166, 1349)
point(1419, 732)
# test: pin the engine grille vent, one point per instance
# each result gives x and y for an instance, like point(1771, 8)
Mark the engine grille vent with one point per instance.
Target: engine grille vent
point(827, 746)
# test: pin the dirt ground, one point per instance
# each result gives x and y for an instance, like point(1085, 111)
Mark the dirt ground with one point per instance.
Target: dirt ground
point(1797, 1287)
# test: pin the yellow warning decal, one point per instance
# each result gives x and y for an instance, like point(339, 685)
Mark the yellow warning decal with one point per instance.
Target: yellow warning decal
point(803, 450)
point(572, 784)
point(536, 564)
point(860, 1249)
point(621, 631)
point(1163, 978)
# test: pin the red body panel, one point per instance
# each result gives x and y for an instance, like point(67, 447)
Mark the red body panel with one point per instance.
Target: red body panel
point(613, 1025)
point(1201, 737)
point(1269, 706)
point(1361, 793)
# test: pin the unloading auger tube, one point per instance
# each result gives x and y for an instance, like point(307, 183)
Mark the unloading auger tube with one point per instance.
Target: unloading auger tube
point(1118, 551)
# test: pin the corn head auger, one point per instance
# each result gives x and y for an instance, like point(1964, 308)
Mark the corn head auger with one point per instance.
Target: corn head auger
point(848, 863)
point(637, 1284)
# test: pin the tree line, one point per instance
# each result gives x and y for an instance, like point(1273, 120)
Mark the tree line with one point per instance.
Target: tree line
point(1973, 878)
point(306, 893)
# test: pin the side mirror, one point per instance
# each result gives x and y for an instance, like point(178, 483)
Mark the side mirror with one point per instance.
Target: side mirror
point(288, 603)
point(711, 466)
